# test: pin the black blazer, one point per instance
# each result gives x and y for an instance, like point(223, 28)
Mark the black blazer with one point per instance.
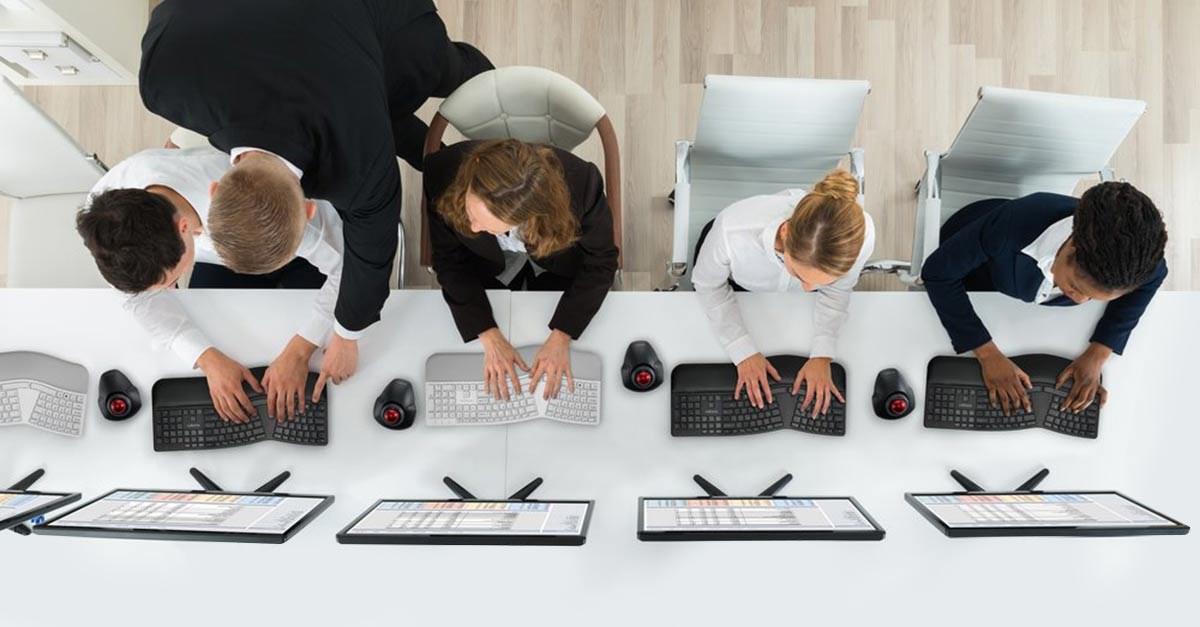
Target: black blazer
point(463, 262)
point(992, 243)
point(308, 80)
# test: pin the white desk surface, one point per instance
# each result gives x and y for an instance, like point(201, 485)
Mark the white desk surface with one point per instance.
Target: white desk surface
point(1145, 449)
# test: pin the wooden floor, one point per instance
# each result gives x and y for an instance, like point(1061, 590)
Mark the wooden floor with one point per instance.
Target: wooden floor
point(645, 61)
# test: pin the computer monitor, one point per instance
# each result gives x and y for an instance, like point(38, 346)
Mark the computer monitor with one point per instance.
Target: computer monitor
point(560, 523)
point(182, 515)
point(984, 514)
point(17, 507)
point(755, 518)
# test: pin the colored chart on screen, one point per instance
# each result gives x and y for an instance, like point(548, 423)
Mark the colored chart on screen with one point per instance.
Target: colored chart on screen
point(473, 518)
point(14, 505)
point(1040, 510)
point(753, 514)
point(192, 511)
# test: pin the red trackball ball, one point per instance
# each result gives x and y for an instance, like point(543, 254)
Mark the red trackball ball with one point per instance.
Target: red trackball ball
point(117, 406)
point(897, 406)
point(643, 378)
point(391, 414)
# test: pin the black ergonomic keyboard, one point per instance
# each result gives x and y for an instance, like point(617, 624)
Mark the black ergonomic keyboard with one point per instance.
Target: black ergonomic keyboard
point(702, 402)
point(185, 419)
point(955, 398)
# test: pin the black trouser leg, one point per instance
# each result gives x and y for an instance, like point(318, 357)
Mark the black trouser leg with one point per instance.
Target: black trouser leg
point(297, 274)
point(700, 244)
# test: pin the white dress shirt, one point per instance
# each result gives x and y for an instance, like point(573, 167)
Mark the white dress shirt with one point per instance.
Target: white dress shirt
point(741, 246)
point(190, 172)
point(1043, 250)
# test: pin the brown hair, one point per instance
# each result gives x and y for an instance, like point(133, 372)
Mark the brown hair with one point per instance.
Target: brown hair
point(827, 229)
point(133, 236)
point(256, 219)
point(521, 184)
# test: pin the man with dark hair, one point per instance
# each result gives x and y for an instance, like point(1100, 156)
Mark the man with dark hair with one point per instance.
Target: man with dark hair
point(146, 225)
point(1050, 249)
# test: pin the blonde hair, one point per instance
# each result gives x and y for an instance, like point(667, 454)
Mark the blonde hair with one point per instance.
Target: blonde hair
point(827, 228)
point(256, 219)
point(521, 184)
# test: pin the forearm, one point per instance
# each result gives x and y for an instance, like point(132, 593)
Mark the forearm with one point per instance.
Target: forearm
point(163, 317)
point(829, 314)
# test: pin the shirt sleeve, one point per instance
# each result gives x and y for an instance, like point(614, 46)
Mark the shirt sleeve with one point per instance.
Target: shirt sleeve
point(833, 301)
point(946, 270)
point(325, 254)
point(162, 316)
point(1122, 315)
point(710, 278)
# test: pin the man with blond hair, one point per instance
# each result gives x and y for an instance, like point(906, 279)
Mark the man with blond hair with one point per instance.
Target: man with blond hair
point(310, 98)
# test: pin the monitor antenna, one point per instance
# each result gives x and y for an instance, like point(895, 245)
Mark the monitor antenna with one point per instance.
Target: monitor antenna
point(267, 488)
point(520, 495)
point(713, 491)
point(1030, 484)
point(21, 486)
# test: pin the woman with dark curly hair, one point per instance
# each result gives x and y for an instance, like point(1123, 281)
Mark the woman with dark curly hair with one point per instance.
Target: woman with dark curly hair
point(1050, 249)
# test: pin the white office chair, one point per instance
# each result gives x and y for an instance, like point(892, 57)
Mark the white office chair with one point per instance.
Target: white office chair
point(49, 175)
point(1014, 143)
point(759, 136)
point(534, 105)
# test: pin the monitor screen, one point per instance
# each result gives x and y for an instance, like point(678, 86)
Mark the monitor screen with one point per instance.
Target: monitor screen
point(1066, 511)
point(755, 518)
point(484, 522)
point(18, 507)
point(141, 513)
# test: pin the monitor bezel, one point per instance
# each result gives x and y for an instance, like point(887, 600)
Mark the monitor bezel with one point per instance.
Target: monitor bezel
point(64, 498)
point(874, 535)
point(49, 528)
point(1178, 527)
point(345, 537)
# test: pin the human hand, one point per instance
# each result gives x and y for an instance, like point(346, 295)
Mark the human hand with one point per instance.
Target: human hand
point(225, 377)
point(817, 378)
point(1085, 374)
point(285, 379)
point(1005, 382)
point(337, 364)
point(752, 375)
point(554, 361)
point(500, 360)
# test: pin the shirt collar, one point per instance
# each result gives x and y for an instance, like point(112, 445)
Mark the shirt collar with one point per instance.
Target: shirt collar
point(237, 152)
point(768, 235)
point(1045, 248)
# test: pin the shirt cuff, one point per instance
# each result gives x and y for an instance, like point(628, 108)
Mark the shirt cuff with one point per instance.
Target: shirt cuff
point(189, 345)
point(347, 334)
point(824, 346)
point(740, 349)
point(316, 330)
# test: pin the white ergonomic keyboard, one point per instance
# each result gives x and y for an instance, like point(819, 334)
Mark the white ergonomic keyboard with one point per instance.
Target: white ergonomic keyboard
point(43, 392)
point(455, 394)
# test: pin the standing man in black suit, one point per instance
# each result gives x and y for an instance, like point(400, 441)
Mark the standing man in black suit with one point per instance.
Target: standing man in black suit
point(311, 99)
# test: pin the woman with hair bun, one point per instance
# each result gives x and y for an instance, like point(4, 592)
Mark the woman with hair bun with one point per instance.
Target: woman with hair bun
point(793, 241)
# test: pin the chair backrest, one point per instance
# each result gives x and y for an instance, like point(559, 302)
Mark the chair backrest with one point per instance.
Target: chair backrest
point(1016, 142)
point(534, 105)
point(48, 174)
point(759, 135)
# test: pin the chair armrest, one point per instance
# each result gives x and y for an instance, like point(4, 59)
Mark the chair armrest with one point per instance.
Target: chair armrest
point(683, 196)
point(858, 169)
point(1107, 174)
point(928, 219)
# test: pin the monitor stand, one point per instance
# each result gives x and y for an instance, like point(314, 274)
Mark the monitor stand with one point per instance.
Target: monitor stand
point(1028, 486)
point(713, 491)
point(21, 486)
point(266, 488)
point(520, 495)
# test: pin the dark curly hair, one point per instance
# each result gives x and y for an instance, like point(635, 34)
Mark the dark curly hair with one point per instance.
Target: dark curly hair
point(1119, 236)
point(132, 235)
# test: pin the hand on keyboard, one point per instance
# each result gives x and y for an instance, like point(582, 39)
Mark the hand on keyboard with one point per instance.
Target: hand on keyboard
point(500, 363)
point(1005, 382)
point(225, 377)
point(752, 375)
point(285, 379)
point(553, 361)
point(1084, 373)
point(816, 378)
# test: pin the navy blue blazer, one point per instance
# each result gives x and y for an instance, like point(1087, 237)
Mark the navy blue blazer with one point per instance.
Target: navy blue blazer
point(991, 244)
